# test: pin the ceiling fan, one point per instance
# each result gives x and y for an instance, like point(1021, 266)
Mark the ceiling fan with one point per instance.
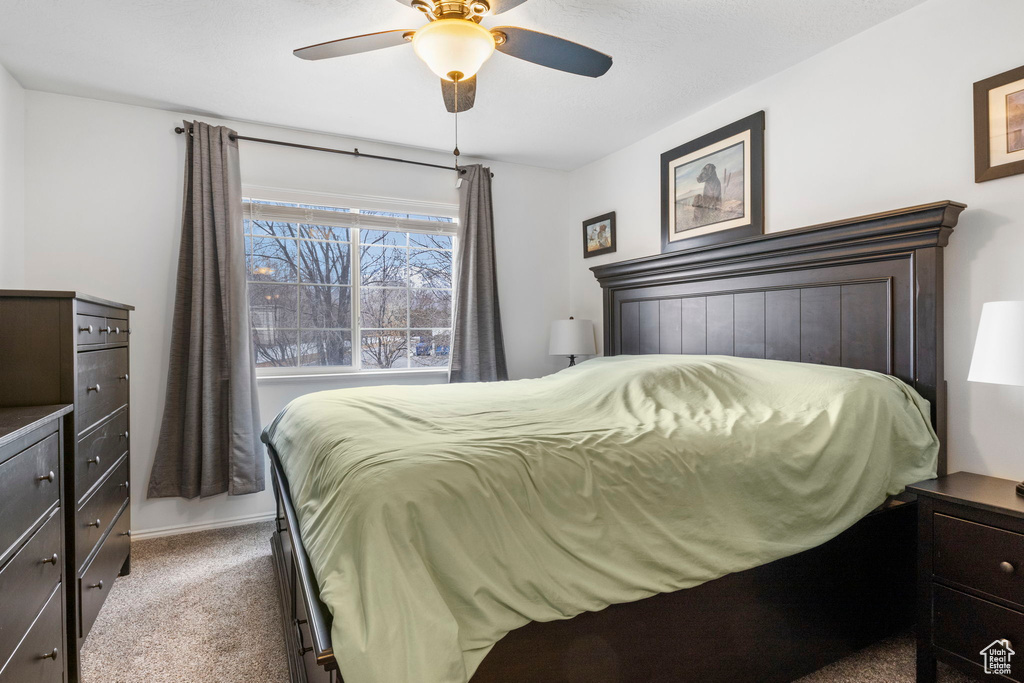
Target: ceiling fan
point(454, 45)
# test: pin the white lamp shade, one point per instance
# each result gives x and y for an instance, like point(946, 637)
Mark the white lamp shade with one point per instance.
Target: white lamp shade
point(572, 338)
point(453, 46)
point(999, 348)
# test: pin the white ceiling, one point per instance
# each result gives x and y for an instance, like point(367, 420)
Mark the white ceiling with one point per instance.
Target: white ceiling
point(232, 58)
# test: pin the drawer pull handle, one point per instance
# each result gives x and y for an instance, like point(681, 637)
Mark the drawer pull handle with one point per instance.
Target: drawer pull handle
point(52, 559)
point(52, 654)
point(46, 477)
point(124, 377)
point(95, 523)
point(124, 435)
point(86, 329)
point(95, 388)
point(93, 461)
point(106, 329)
point(126, 533)
point(98, 584)
point(117, 330)
point(1006, 567)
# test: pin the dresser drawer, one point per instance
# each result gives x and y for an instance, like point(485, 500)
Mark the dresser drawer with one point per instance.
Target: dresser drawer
point(30, 482)
point(117, 331)
point(40, 657)
point(95, 516)
point(99, 450)
point(964, 625)
point(102, 385)
point(89, 329)
point(980, 556)
point(27, 580)
point(99, 576)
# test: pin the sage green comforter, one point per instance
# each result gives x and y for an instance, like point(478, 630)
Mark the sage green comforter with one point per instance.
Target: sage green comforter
point(438, 518)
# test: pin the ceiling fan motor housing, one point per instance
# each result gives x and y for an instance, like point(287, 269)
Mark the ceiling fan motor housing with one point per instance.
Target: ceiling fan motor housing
point(474, 10)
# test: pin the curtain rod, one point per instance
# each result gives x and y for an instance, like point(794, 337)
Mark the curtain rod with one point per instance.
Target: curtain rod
point(179, 130)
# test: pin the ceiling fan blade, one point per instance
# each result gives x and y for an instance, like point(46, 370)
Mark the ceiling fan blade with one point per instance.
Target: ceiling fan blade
point(553, 52)
point(467, 94)
point(497, 6)
point(354, 45)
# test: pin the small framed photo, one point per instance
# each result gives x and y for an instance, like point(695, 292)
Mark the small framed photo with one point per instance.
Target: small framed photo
point(999, 126)
point(712, 188)
point(599, 235)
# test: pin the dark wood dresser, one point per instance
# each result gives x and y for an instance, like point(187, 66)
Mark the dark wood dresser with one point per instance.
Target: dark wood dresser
point(67, 347)
point(971, 576)
point(32, 641)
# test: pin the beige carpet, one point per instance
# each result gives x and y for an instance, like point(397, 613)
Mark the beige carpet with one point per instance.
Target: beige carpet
point(202, 608)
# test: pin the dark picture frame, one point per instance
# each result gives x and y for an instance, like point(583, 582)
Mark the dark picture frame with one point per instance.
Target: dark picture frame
point(605, 242)
point(725, 209)
point(999, 131)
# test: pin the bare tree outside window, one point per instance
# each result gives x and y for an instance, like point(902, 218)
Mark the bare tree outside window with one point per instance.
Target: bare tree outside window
point(302, 280)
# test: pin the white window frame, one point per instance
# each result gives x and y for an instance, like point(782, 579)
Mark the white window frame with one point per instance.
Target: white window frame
point(369, 203)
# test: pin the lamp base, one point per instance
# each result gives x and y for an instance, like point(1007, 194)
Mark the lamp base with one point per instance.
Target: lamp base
point(1020, 489)
point(572, 362)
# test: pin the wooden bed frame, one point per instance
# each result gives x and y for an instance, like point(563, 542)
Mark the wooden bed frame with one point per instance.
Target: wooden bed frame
point(863, 293)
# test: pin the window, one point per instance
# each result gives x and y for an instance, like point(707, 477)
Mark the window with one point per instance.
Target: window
point(337, 289)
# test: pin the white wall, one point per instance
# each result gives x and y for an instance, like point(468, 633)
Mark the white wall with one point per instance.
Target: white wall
point(881, 121)
point(12, 181)
point(104, 194)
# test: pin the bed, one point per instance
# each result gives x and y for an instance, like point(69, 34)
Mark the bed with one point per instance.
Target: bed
point(863, 293)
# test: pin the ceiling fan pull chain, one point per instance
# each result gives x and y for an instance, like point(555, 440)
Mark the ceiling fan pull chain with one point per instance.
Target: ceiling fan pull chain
point(457, 152)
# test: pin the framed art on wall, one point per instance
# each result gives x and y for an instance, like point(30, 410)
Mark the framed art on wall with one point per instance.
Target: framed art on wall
point(999, 126)
point(599, 235)
point(712, 188)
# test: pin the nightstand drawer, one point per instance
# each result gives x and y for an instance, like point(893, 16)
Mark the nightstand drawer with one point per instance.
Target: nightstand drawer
point(965, 625)
point(980, 557)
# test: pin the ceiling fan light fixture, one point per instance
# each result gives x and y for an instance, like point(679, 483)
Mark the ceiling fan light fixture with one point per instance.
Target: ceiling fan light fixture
point(454, 48)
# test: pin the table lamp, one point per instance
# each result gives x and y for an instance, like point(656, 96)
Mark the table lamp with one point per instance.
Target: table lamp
point(999, 349)
point(572, 338)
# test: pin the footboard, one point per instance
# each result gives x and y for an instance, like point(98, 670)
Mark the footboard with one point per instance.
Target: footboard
point(305, 619)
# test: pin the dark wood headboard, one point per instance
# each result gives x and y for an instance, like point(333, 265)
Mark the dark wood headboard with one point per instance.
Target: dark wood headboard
point(864, 293)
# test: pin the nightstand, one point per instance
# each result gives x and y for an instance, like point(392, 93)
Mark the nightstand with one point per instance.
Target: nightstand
point(970, 576)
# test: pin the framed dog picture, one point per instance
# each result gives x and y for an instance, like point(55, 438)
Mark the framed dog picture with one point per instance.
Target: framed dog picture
point(599, 235)
point(712, 189)
point(999, 126)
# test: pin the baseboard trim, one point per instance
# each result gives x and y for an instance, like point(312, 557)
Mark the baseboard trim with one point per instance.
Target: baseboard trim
point(179, 529)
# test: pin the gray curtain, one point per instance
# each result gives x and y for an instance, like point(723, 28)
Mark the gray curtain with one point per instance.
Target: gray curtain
point(478, 351)
point(209, 438)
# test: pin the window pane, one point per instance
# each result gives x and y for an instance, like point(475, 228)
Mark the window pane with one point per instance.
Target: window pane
point(430, 348)
point(325, 262)
point(383, 266)
point(325, 232)
point(430, 308)
point(430, 268)
point(272, 305)
point(326, 347)
point(272, 229)
point(273, 260)
point(430, 241)
point(382, 237)
point(384, 349)
point(387, 308)
point(325, 307)
point(275, 348)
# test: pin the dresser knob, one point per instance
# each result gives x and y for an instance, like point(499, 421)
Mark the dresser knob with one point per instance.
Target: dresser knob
point(117, 330)
point(52, 654)
point(52, 559)
point(124, 435)
point(95, 523)
point(46, 477)
point(106, 329)
point(126, 533)
point(98, 584)
point(95, 388)
point(124, 377)
point(1006, 567)
point(86, 329)
point(93, 461)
